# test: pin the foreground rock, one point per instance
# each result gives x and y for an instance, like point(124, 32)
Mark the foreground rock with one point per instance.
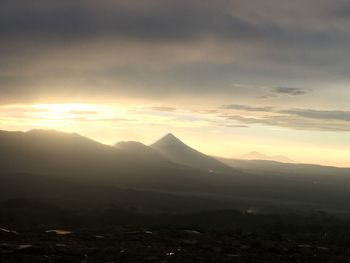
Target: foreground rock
point(161, 246)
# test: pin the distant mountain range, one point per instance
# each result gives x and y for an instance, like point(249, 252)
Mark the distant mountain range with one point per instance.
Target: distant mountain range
point(127, 164)
point(259, 156)
point(167, 175)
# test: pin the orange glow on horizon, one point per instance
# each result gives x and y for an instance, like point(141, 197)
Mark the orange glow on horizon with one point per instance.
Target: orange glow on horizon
point(204, 131)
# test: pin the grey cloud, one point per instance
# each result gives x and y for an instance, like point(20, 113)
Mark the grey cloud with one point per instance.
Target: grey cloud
point(46, 50)
point(148, 21)
point(290, 91)
point(340, 11)
point(246, 108)
point(291, 122)
point(320, 114)
point(299, 119)
point(236, 126)
point(326, 115)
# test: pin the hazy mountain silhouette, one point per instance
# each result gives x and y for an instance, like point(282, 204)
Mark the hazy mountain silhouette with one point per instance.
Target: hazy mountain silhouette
point(128, 165)
point(69, 167)
point(53, 152)
point(141, 151)
point(273, 167)
point(259, 156)
point(177, 151)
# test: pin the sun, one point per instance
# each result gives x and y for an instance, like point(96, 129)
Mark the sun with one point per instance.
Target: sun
point(62, 116)
point(67, 114)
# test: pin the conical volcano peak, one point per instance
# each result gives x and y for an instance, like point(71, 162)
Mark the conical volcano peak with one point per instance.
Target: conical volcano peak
point(168, 139)
point(178, 152)
point(170, 136)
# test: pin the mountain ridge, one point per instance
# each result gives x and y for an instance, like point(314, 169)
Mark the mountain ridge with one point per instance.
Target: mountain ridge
point(177, 151)
point(45, 159)
point(254, 155)
point(84, 160)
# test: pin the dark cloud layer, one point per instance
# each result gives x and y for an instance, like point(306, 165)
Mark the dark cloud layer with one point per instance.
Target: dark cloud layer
point(149, 20)
point(165, 20)
point(159, 48)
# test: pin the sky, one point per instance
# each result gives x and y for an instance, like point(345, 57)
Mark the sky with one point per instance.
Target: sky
point(226, 76)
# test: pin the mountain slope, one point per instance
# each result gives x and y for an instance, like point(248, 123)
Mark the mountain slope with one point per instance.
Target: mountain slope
point(176, 151)
point(75, 157)
point(52, 152)
point(37, 161)
point(142, 151)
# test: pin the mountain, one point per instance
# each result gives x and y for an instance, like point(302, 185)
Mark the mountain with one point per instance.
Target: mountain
point(70, 168)
point(80, 159)
point(178, 152)
point(141, 151)
point(53, 152)
point(259, 156)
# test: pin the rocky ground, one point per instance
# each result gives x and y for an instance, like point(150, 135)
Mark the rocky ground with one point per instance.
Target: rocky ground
point(125, 245)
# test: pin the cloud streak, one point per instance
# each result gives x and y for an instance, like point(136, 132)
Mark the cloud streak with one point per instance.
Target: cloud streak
point(320, 114)
point(299, 119)
point(247, 108)
point(292, 122)
point(290, 91)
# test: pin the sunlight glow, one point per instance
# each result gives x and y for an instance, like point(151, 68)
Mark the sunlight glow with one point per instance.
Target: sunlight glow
point(66, 107)
point(68, 115)
point(109, 123)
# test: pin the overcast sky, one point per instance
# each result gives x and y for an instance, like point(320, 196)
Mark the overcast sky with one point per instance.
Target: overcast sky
point(244, 75)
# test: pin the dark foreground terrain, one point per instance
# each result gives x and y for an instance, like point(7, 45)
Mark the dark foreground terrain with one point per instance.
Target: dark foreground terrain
point(221, 236)
point(162, 246)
